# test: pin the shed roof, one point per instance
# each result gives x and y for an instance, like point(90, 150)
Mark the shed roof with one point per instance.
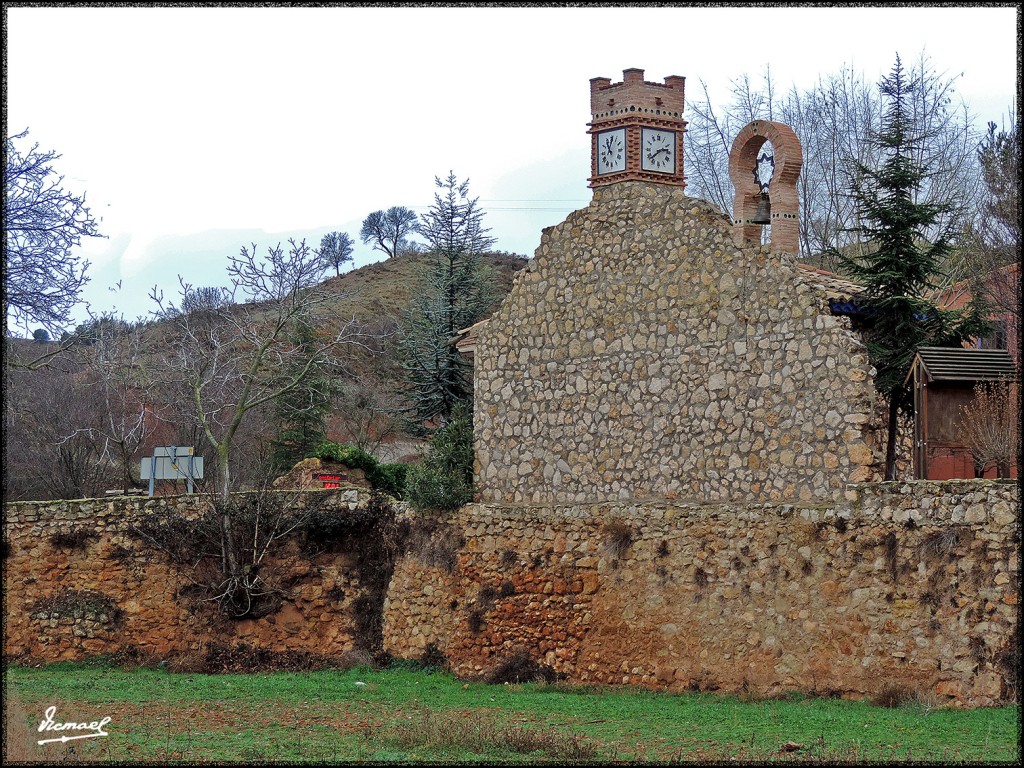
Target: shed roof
point(964, 364)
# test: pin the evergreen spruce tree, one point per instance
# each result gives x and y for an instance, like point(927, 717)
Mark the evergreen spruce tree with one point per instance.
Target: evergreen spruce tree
point(905, 242)
point(301, 411)
point(456, 295)
point(444, 480)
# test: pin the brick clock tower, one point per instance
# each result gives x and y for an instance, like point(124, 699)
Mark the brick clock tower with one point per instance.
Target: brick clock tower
point(637, 130)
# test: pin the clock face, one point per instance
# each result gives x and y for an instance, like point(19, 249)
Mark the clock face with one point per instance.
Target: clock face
point(611, 151)
point(658, 150)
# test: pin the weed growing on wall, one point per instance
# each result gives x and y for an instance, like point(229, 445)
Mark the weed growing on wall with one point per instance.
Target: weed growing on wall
point(520, 667)
point(433, 658)
point(616, 538)
point(509, 559)
point(434, 543)
point(1007, 662)
point(74, 538)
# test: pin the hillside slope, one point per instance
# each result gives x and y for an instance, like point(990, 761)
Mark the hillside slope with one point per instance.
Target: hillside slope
point(385, 289)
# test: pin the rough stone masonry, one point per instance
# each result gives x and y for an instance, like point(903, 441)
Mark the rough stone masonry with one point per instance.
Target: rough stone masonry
point(643, 355)
point(676, 455)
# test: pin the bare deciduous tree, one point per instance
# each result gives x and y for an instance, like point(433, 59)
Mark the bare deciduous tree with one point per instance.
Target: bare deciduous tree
point(389, 230)
point(43, 223)
point(990, 425)
point(227, 360)
point(237, 358)
point(992, 246)
point(835, 121)
point(75, 426)
point(366, 413)
point(115, 359)
point(261, 519)
point(50, 450)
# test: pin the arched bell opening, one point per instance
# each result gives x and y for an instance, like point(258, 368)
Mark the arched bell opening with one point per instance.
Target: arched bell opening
point(764, 166)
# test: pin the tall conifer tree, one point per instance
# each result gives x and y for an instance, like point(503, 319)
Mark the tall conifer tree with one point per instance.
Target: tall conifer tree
point(456, 295)
point(905, 242)
point(301, 412)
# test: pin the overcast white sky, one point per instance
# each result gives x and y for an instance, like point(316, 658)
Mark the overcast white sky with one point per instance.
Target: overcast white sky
point(195, 131)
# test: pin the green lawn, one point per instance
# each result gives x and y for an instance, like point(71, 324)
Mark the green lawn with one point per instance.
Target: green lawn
point(408, 715)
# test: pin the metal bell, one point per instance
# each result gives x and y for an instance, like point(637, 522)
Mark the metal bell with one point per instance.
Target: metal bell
point(764, 210)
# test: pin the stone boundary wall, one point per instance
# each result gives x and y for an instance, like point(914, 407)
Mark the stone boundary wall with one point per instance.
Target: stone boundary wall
point(109, 592)
point(912, 584)
point(909, 584)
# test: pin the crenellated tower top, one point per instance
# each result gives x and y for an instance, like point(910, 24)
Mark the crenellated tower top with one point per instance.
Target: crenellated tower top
point(637, 129)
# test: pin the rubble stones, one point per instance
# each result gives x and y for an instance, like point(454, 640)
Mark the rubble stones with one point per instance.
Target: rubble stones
point(644, 356)
point(758, 596)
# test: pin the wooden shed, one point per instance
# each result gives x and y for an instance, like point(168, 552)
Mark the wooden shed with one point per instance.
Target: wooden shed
point(943, 379)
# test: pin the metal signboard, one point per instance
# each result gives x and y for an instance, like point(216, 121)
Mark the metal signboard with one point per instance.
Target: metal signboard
point(172, 462)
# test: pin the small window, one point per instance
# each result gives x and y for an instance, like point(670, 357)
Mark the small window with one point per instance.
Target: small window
point(997, 339)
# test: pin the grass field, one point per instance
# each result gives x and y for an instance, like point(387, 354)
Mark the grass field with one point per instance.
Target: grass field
point(405, 714)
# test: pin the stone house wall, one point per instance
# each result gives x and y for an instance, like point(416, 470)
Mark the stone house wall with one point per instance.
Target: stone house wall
point(642, 356)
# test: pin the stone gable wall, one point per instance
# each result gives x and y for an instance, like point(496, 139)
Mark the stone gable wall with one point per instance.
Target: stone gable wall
point(643, 355)
point(914, 585)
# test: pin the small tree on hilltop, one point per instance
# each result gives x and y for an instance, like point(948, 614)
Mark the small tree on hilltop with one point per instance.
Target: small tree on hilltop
point(905, 241)
point(206, 299)
point(387, 231)
point(336, 249)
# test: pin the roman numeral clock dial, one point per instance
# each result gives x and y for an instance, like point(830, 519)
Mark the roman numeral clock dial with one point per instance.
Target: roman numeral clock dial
point(658, 150)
